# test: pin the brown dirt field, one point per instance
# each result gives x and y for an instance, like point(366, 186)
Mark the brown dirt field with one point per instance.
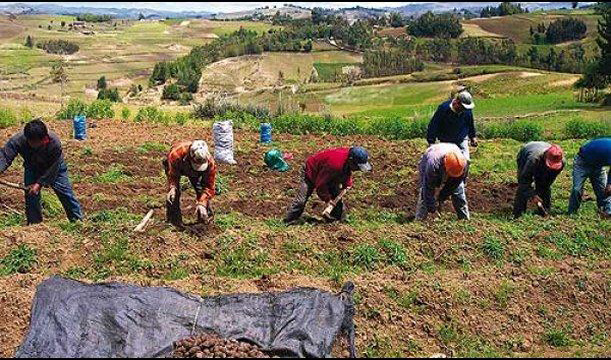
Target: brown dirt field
point(257, 193)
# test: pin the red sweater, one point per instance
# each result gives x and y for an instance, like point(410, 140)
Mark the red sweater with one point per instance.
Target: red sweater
point(179, 164)
point(328, 168)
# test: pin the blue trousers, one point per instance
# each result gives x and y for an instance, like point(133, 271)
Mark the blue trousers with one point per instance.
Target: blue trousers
point(62, 188)
point(599, 179)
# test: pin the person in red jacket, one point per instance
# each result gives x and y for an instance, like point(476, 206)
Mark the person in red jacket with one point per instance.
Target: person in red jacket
point(193, 160)
point(329, 172)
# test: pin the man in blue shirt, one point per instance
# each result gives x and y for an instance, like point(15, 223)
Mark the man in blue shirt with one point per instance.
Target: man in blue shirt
point(589, 163)
point(453, 123)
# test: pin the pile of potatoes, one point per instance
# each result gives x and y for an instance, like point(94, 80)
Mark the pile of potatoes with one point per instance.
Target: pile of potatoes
point(212, 346)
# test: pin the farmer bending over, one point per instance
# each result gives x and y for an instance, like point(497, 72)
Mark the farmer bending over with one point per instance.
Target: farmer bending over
point(538, 162)
point(453, 123)
point(44, 165)
point(329, 172)
point(590, 163)
point(445, 164)
point(193, 160)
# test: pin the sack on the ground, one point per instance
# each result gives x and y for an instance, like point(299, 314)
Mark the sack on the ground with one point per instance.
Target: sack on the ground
point(222, 132)
point(274, 159)
point(73, 319)
point(79, 123)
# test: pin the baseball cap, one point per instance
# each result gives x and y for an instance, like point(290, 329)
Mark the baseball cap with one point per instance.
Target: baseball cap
point(199, 155)
point(465, 99)
point(361, 156)
point(455, 164)
point(553, 157)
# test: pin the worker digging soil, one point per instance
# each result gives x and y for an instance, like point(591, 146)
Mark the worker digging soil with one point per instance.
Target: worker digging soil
point(442, 164)
point(538, 162)
point(44, 165)
point(590, 162)
point(193, 160)
point(330, 173)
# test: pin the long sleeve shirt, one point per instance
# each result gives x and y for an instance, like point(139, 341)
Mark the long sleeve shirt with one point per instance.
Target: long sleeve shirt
point(531, 166)
point(179, 163)
point(433, 174)
point(45, 160)
point(597, 152)
point(328, 168)
point(448, 126)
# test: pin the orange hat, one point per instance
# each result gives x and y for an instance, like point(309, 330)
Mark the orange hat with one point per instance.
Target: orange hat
point(553, 157)
point(455, 164)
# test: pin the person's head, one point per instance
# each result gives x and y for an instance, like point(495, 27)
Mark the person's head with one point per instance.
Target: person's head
point(455, 164)
point(554, 157)
point(199, 155)
point(36, 133)
point(358, 158)
point(463, 100)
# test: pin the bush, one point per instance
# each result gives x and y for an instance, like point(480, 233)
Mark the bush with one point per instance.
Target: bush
point(185, 98)
point(524, 130)
point(125, 113)
point(213, 108)
point(152, 114)
point(395, 128)
point(109, 94)
point(171, 92)
point(7, 118)
point(100, 109)
point(582, 129)
point(75, 107)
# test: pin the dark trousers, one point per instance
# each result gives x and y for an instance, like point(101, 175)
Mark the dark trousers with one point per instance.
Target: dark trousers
point(62, 188)
point(525, 192)
point(173, 213)
point(296, 208)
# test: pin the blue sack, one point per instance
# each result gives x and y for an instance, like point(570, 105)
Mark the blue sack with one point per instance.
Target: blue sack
point(80, 127)
point(266, 132)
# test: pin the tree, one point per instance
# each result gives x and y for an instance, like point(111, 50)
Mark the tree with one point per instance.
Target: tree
point(102, 83)
point(63, 23)
point(29, 42)
point(59, 75)
point(574, 3)
point(436, 25)
point(140, 16)
point(396, 20)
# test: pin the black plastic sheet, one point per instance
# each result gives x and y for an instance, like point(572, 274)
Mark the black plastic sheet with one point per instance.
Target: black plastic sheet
point(73, 319)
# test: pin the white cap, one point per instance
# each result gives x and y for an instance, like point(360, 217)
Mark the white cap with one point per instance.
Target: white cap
point(465, 99)
point(199, 155)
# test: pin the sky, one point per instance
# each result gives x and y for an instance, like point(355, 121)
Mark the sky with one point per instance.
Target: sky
point(222, 6)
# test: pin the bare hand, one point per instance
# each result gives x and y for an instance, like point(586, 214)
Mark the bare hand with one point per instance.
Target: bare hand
point(536, 200)
point(171, 195)
point(34, 189)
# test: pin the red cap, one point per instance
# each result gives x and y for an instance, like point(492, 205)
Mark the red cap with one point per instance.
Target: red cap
point(553, 157)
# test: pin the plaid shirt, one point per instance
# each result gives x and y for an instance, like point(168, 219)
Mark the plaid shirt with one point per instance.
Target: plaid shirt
point(179, 163)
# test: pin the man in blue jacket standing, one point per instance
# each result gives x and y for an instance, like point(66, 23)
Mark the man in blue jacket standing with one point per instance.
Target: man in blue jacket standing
point(590, 162)
point(44, 165)
point(453, 123)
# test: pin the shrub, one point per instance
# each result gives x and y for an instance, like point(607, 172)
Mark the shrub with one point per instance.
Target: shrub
point(366, 256)
point(100, 109)
point(7, 118)
point(524, 130)
point(152, 114)
point(109, 94)
point(557, 337)
point(493, 247)
point(395, 128)
point(582, 129)
point(185, 98)
point(125, 113)
point(74, 107)
point(171, 92)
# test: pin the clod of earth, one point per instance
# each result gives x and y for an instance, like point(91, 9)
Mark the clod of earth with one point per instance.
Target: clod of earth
point(212, 346)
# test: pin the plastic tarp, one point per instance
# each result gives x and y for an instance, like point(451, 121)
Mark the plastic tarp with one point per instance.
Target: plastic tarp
point(74, 319)
point(222, 132)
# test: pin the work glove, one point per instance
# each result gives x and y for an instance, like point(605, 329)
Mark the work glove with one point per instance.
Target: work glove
point(536, 200)
point(474, 142)
point(328, 208)
point(34, 189)
point(171, 195)
point(202, 213)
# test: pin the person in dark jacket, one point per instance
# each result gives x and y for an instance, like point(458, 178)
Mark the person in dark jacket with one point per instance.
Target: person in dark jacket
point(44, 166)
point(590, 162)
point(328, 172)
point(538, 162)
point(453, 123)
